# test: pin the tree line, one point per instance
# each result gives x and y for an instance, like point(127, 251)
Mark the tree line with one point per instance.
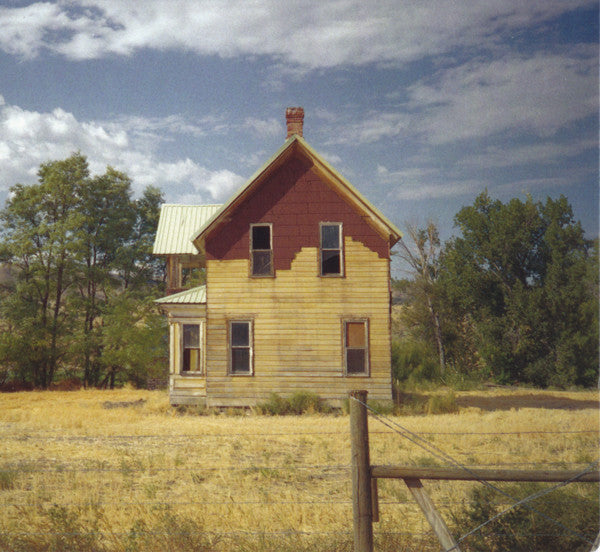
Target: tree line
point(77, 303)
point(513, 297)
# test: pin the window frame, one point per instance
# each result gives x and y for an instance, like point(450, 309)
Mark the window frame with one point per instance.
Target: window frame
point(231, 347)
point(271, 272)
point(346, 348)
point(340, 249)
point(201, 347)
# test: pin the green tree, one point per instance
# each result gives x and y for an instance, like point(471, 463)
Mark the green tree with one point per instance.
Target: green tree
point(40, 237)
point(520, 275)
point(136, 263)
point(107, 222)
point(422, 255)
point(134, 341)
point(78, 244)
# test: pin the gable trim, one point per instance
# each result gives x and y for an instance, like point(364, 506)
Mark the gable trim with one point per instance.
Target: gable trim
point(295, 143)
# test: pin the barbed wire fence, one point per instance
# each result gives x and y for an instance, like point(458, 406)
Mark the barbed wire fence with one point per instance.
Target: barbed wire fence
point(365, 477)
point(39, 484)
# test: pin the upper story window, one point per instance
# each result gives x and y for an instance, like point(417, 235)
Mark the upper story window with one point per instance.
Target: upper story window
point(261, 250)
point(331, 249)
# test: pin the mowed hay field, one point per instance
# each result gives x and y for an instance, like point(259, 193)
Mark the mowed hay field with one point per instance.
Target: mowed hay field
point(123, 470)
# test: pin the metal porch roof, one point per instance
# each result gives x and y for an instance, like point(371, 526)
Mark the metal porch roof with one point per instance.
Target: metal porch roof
point(177, 226)
point(195, 295)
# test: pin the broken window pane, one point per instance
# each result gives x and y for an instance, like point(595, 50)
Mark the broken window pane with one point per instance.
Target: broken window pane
point(261, 263)
point(261, 237)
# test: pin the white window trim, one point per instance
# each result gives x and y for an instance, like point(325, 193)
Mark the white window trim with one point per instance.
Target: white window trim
point(339, 274)
point(367, 372)
point(251, 247)
point(202, 337)
point(250, 323)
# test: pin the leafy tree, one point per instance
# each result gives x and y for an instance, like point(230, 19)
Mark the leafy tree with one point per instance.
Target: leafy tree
point(133, 341)
point(137, 265)
point(422, 255)
point(107, 221)
point(40, 237)
point(520, 276)
point(78, 243)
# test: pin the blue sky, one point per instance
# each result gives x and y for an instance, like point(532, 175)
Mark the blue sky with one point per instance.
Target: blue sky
point(420, 104)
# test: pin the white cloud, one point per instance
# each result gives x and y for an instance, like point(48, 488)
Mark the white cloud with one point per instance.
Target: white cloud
point(372, 127)
point(417, 191)
point(29, 138)
point(540, 95)
point(298, 32)
point(548, 153)
point(416, 183)
point(535, 96)
point(264, 128)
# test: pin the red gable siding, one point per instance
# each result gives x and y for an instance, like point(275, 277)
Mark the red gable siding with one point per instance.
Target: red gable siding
point(294, 199)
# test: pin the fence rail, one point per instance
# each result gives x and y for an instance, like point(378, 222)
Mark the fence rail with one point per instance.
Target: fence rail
point(365, 476)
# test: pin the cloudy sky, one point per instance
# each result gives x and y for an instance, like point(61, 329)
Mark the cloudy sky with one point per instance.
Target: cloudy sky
point(421, 104)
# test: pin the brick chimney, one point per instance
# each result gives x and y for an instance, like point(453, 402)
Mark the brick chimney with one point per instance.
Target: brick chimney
point(294, 117)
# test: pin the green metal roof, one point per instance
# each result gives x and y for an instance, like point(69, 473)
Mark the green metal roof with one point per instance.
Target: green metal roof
point(195, 295)
point(177, 226)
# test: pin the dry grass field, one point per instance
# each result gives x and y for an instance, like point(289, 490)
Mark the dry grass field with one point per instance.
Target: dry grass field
point(122, 470)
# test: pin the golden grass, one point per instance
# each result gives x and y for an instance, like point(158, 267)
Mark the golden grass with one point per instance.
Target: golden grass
point(130, 464)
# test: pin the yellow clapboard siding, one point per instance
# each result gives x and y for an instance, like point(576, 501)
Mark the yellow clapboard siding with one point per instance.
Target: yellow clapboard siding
point(297, 323)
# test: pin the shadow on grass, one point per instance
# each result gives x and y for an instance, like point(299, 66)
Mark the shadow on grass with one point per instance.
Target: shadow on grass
point(416, 402)
point(530, 400)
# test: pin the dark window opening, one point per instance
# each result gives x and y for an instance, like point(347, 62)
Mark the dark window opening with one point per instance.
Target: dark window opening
point(240, 347)
point(261, 250)
point(331, 249)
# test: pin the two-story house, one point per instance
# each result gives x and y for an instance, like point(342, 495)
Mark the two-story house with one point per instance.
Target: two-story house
point(297, 293)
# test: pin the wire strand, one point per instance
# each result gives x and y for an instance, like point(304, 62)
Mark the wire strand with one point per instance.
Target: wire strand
point(440, 454)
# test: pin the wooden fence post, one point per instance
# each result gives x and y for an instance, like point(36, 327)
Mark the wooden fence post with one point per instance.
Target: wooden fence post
point(361, 473)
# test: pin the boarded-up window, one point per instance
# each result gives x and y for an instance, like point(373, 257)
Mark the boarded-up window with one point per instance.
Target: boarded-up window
point(261, 250)
point(240, 347)
point(331, 249)
point(356, 347)
point(192, 352)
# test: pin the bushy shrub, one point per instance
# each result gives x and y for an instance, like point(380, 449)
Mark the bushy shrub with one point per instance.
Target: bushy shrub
point(301, 402)
point(442, 404)
point(521, 530)
point(413, 361)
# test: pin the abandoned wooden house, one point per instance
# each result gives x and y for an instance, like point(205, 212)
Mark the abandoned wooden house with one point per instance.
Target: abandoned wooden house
point(297, 293)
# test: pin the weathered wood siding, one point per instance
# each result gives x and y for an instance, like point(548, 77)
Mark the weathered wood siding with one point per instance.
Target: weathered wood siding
point(297, 314)
point(297, 322)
